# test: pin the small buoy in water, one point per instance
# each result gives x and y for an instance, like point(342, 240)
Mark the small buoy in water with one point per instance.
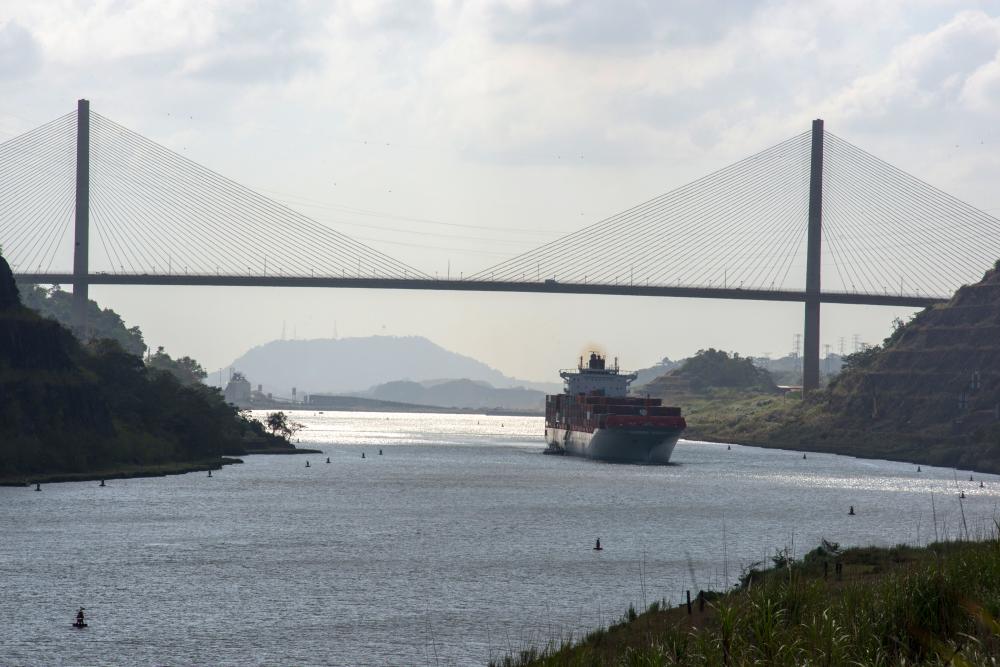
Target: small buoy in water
point(209, 473)
point(729, 447)
point(918, 468)
point(962, 494)
point(803, 456)
point(850, 512)
point(328, 459)
point(38, 486)
point(307, 464)
point(380, 452)
point(970, 478)
point(362, 455)
point(598, 547)
point(102, 483)
point(981, 485)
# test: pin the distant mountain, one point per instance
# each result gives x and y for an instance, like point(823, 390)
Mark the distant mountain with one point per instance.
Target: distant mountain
point(647, 375)
point(459, 394)
point(788, 369)
point(348, 365)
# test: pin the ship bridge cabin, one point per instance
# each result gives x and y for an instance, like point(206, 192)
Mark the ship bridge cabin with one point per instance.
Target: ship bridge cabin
point(595, 379)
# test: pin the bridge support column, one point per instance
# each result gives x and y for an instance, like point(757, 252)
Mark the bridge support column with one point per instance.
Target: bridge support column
point(810, 356)
point(81, 247)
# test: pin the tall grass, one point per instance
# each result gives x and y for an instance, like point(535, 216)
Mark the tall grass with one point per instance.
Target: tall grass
point(938, 605)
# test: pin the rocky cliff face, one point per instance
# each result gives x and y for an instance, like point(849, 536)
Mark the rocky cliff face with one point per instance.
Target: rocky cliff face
point(942, 369)
point(931, 393)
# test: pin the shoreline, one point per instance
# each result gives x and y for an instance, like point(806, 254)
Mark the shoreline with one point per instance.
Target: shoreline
point(123, 472)
point(138, 471)
point(280, 452)
point(802, 448)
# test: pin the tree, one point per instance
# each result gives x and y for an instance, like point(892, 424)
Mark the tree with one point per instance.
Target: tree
point(278, 423)
point(55, 304)
point(186, 370)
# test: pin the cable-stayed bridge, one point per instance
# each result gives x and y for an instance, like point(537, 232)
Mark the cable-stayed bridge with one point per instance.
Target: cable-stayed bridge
point(813, 219)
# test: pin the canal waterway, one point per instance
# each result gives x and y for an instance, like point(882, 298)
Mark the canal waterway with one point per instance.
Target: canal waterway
point(460, 542)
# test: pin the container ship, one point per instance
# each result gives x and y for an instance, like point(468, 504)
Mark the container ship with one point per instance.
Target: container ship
point(596, 418)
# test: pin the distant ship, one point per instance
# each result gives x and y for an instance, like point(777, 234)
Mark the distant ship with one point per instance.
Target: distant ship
point(594, 417)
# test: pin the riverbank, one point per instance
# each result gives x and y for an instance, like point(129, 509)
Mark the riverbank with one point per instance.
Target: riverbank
point(120, 472)
point(900, 605)
point(283, 452)
point(156, 470)
point(790, 422)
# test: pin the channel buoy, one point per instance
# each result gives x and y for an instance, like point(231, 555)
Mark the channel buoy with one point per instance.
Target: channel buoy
point(380, 452)
point(918, 468)
point(598, 547)
point(38, 486)
point(962, 494)
point(803, 456)
point(970, 478)
point(307, 464)
point(850, 512)
point(328, 459)
point(102, 483)
point(362, 455)
point(729, 447)
point(209, 473)
point(981, 485)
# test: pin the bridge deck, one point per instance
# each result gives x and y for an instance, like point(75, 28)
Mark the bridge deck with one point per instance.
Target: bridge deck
point(548, 287)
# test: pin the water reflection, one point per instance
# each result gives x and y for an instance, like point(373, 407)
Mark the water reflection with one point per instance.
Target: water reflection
point(460, 542)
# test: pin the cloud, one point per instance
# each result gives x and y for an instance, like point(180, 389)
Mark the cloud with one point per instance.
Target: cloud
point(625, 26)
point(259, 42)
point(947, 69)
point(20, 54)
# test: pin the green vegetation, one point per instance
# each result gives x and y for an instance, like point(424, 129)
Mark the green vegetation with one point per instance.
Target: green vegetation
point(106, 324)
point(711, 370)
point(937, 605)
point(744, 417)
point(72, 407)
point(186, 370)
point(55, 304)
point(930, 394)
point(279, 424)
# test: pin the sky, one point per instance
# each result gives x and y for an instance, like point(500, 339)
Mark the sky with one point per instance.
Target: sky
point(453, 135)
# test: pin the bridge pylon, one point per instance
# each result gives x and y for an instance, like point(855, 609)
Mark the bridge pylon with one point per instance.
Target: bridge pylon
point(81, 244)
point(810, 352)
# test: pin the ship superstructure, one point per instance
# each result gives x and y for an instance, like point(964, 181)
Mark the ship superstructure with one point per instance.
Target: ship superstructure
point(596, 418)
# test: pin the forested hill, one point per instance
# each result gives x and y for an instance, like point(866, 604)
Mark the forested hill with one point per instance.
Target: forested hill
point(72, 407)
point(929, 394)
point(707, 370)
point(55, 304)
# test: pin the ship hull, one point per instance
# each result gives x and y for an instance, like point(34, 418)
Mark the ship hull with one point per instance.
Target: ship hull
point(622, 445)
